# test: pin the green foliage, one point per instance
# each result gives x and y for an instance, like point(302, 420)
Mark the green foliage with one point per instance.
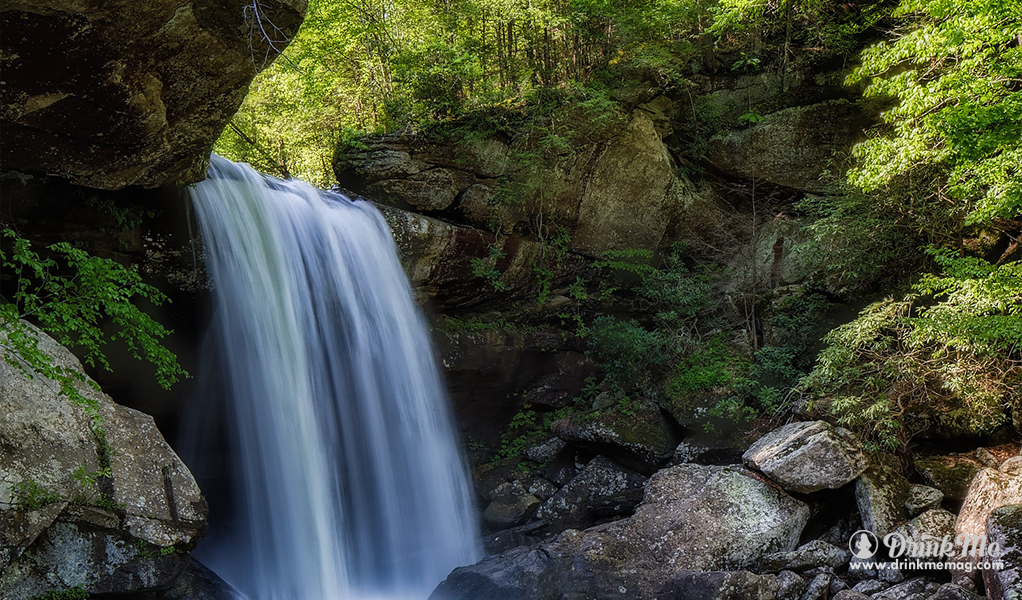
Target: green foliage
point(71, 297)
point(947, 357)
point(956, 122)
point(487, 267)
point(30, 495)
point(75, 593)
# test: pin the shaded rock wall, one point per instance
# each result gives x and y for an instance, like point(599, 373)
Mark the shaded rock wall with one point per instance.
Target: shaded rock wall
point(111, 94)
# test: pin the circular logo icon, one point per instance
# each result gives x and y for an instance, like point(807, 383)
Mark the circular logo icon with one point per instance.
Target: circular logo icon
point(863, 544)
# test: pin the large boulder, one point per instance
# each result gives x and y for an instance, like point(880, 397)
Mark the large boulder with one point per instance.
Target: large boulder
point(808, 456)
point(880, 493)
point(68, 521)
point(111, 94)
point(634, 432)
point(577, 504)
point(693, 518)
point(1004, 527)
point(951, 474)
point(990, 490)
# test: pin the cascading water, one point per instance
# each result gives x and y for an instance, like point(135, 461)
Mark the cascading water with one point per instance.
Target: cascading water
point(349, 483)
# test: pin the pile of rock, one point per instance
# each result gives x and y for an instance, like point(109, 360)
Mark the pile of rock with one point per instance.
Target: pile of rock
point(806, 515)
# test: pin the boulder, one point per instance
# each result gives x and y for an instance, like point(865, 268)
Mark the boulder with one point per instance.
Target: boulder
point(919, 588)
point(923, 532)
point(1004, 527)
point(792, 147)
point(952, 591)
point(67, 521)
point(990, 489)
point(196, 582)
point(880, 493)
point(512, 505)
point(816, 553)
point(130, 93)
point(951, 474)
point(790, 586)
point(922, 498)
point(818, 588)
point(545, 452)
point(808, 456)
point(720, 585)
point(1012, 466)
point(693, 518)
point(636, 434)
point(705, 454)
point(600, 482)
point(850, 595)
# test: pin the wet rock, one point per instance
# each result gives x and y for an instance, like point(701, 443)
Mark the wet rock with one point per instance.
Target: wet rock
point(599, 482)
point(132, 93)
point(1004, 527)
point(720, 585)
point(511, 505)
point(196, 582)
point(65, 523)
point(692, 518)
point(922, 498)
point(634, 432)
point(814, 554)
point(880, 493)
point(808, 456)
point(791, 586)
point(950, 474)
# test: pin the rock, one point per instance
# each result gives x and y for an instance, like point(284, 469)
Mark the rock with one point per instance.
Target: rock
point(636, 434)
point(870, 586)
point(1004, 527)
point(196, 582)
point(546, 451)
point(922, 498)
point(511, 505)
point(792, 147)
point(814, 554)
point(720, 585)
point(691, 452)
point(791, 586)
point(951, 591)
point(950, 474)
point(808, 456)
point(990, 490)
point(65, 524)
point(692, 518)
point(542, 489)
point(850, 595)
point(837, 585)
point(919, 588)
point(132, 93)
point(880, 493)
point(572, 505)
point(818, 587)
point(1012, 466)
point(923, 533)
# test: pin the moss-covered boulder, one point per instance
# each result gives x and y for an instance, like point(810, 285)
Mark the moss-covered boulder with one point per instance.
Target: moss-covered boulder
point(880, 493)
point(808, 456)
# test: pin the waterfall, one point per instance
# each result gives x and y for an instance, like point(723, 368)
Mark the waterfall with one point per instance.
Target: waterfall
point(345, 472)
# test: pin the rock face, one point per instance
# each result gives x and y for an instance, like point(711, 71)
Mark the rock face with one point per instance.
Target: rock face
point(67, 524)
point(693, 517)
point(1004, 527)
point(617, 193)
point(808, 456)
point(792, 147)
point(129, 93)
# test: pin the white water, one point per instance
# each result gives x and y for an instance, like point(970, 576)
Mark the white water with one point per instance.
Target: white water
point(348, 481)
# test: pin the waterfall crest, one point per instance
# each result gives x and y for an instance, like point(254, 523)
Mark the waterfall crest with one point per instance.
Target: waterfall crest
point(349, 481)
